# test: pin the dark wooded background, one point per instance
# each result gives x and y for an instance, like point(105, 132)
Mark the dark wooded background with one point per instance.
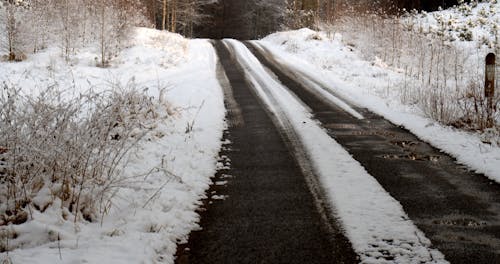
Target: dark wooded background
point(251, 19)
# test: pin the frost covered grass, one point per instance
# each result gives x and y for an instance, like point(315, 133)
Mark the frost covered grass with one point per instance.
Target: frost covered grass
point(439, 57)
point(105, 168)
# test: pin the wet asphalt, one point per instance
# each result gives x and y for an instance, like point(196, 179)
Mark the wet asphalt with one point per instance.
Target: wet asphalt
point(458, 210)
point(268, 214)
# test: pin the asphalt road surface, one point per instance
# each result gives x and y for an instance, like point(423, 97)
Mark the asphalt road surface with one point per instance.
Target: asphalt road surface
point(269, 214)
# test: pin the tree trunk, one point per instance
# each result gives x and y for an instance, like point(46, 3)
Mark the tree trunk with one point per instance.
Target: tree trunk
point(103, 42)
point(164, 15)
point(174, 16)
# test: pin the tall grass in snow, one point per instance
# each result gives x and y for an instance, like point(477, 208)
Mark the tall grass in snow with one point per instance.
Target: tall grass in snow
point(443, 71)
point(68, 153)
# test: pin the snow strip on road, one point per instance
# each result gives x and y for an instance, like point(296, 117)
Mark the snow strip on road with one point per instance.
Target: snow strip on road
point(374, 222)
point(318, 87)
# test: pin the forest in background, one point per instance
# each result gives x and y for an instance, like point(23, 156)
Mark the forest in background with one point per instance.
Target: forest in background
point(251, 19)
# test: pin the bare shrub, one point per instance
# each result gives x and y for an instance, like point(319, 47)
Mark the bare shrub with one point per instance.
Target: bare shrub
point(476, 110)
point(68, 152)
point(113, 20)
point(440, 76)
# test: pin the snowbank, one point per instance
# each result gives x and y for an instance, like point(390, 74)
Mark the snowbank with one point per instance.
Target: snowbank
point(167, 173)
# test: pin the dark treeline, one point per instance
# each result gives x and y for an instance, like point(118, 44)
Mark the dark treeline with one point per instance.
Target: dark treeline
point(241, 19)
point(428, 5)
point(393, 5)
point(250, 19)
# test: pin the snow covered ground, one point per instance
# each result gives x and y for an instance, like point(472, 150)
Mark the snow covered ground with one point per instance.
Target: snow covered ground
point(171, 167)
point(374, 85)
point(469, 24)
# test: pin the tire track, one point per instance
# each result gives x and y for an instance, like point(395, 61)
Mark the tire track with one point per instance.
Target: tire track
point(457, 209)
point(295, 146)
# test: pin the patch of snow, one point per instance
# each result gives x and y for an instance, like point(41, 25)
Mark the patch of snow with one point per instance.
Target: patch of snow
point(219, 197)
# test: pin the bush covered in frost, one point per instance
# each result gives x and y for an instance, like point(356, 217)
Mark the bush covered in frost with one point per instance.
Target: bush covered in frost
point(68, 153)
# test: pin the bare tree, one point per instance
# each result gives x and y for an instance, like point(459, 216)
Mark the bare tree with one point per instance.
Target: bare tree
point(13, 42)
point(11, 30)
point(298, 14)
point(181, 16)
point(67, 11)
point(190, 16)
point(173, 14)
point(30, 25)
point(164, 14)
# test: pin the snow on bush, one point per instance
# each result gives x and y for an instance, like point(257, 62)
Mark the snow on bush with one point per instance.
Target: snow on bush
point(68, 155)
point(148, 205)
